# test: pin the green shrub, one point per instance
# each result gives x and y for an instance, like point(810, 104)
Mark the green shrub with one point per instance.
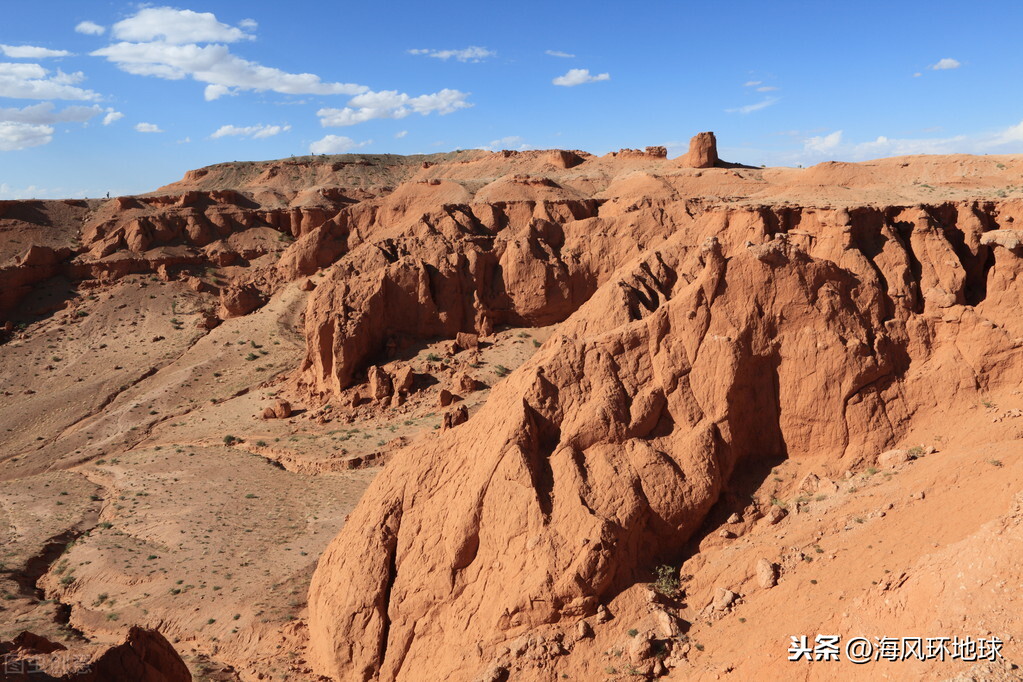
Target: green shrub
point(667, 582)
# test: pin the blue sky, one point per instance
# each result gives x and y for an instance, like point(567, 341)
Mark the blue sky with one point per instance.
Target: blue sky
point(124, 97)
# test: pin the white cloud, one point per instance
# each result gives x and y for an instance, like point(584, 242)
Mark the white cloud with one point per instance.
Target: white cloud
point(257, 132)
point(559, 53)
point(1008, 140)
point(917, 74)
point(473, 53)
point(400, 134)
point(73, 78)
point(766, 88)
point(510, 142)
point(750, 108)
point(164, 43)
point(215, 65)
point(31, 52)
point(32, 81)
point(250, 24)
point(43, 113)
point(147, 128)
point(15, 135)
point(336, 144)
point(578, 77)
point(392, 104)
point(1013, 135)
point(112, 116)
point(823, 143)
point(750, 84)
point(177, 26)
point(944, 64)
point(90, 28)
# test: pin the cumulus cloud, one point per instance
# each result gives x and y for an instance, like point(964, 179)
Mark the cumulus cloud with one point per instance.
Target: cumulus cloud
point(257, 131)
point(473, 53)
point(32, 81)
point(559, 53)
point(823, 143)
point(944, 64)
point(1009, 136)
point(400, 134)
point(578, 77)
point(45, 113)
point(164, 43)
point(336, 144)
point(15, 135)
point(90, 28)
point(834, 145)
point(112, 116)
point(31, 52)
point(392, 104)
point(147, 128)
point(177, 26)
point(750, 108)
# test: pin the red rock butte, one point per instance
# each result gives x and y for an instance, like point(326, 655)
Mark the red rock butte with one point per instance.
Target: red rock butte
point(737, 367)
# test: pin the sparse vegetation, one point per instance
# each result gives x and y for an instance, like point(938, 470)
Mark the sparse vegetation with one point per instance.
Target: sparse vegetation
point(666, 581)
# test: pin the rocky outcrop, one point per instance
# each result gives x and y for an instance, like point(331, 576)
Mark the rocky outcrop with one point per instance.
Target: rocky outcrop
point(237, 300)
point(615, 441)
point(36, 264)
point(145, 656)
point(703, 152)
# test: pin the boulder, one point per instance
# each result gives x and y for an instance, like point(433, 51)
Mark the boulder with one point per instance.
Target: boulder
point(767, 573)
point(453, 418)
point(723, 599)
point(403, 380)
point(467, 341)
point(464, 383)
point(891, 458)
point(237, 300)
point(445, 397)
point(379, 383)
point(282, 409)
point(208, 322)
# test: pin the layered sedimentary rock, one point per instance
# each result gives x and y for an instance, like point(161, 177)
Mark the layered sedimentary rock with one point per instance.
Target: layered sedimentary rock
point(144, 656)
point(703, 152)
point(702, 343)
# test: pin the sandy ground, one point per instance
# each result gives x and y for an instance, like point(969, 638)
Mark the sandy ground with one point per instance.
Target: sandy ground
point(122, 499)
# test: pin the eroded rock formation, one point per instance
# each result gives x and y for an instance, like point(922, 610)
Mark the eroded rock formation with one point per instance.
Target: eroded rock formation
point(145, 656)
point(686, 366)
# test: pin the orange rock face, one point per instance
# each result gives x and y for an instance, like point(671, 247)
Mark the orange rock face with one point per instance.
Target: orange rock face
point(703, 152)
point(691, 344)
point(145, 656)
